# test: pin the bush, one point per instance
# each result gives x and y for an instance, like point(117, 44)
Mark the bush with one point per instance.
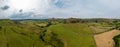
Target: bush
point(117, 41)
point(117, 25)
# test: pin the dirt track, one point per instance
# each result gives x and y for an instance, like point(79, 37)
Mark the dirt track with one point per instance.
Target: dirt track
point(105, 39)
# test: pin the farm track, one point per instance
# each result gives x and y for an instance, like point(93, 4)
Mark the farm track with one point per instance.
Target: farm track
point(106, 39)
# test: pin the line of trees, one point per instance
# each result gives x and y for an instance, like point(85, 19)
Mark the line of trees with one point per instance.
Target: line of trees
point(78, 20)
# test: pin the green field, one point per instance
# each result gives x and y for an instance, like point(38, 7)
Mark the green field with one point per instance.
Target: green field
point(74, 35)
point(45, 33)
point(13, 35)
point(27, 34)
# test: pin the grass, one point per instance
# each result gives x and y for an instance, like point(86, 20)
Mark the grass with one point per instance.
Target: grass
point(30, 33)
point(57, 35)
point(100, 27)
point(2, 39)
point(12, 35)
point(74, 35)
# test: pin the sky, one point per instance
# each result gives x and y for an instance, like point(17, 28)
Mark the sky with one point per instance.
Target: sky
point(38, 9)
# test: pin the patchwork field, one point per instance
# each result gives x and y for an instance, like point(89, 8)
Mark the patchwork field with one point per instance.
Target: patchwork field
point(45, 33)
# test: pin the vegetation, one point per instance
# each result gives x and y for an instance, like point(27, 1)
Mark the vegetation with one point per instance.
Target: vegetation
point(117, 25)
point(14, 35)
point(117, 38)
point(53, 32)
point(117, 41)
point(74, 35)
point(27, 34)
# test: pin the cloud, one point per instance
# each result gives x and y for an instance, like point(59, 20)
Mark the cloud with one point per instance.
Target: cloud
point(70, 8)
point(83, 8)
point(5, 7)
point(88, 9)
point(25, 15)
point(113, 4)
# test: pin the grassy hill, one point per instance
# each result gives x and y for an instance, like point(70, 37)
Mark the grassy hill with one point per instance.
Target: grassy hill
point(74, 35)
point(58, 35)
point(18, 35)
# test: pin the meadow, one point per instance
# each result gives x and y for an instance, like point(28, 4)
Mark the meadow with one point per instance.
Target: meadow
point(53, 32)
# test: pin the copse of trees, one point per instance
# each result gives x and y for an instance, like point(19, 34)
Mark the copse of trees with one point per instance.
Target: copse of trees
point(78, 20)
point(72, 20)
point(54, 21)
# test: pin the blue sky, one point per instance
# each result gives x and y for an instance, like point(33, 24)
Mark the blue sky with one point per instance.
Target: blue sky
point(63, 9)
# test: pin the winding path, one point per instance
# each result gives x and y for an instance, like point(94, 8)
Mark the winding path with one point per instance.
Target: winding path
point(105, 39)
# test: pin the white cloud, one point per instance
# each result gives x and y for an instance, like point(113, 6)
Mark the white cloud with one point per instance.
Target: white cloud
point(113, 4)
point(74, 8)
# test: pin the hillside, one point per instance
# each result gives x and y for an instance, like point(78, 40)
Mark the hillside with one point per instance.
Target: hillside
point(59, 33)
point(74, 35)
point(28, 34)
point(18, 35)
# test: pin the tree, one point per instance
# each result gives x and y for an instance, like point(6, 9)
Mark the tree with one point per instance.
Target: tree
point(72, 20)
